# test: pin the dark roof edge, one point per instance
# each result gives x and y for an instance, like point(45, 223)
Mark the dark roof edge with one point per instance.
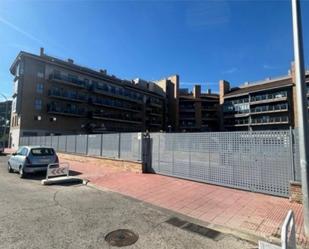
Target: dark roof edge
point(260, 90)
point(81, 69)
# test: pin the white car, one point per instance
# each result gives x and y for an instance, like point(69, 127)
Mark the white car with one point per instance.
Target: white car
point(31, 159)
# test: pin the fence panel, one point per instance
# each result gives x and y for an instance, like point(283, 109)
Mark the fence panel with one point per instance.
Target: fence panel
point(110, 145)
point(54, 142)
point(94, 145)
point(62, 143)
point(130, 146)
point(71, 144)
point(256, 161)
point(81, 144)
point(48, 141)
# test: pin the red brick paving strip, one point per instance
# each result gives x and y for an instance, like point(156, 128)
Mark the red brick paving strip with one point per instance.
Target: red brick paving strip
point(251, 212)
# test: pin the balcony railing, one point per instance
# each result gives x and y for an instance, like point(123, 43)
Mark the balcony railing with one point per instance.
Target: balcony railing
point(280, 96)
point(115, 104)
point(67, 80)
point(66, 111)
point(270, 108)
point(124, 94)
point(270, 120)
point(119, 117)
point(67, 95)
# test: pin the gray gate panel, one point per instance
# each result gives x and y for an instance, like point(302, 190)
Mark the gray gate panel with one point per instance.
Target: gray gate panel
point(256, 161)
point(71, 144)
point(94, 145)
point(81, 144)
point(110, 145)
point(130, 146)
point(62, 143)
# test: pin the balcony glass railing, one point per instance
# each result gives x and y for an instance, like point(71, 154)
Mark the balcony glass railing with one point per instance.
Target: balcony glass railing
point(118, 116)
point(68, 110)
point(115, 104)
point(116, 91)
point(267, 119)
point(269, 108)
point(273, 96)
point(67, 95)
point(68, 79)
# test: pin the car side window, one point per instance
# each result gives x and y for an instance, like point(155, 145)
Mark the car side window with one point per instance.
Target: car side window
point(24, 152)
point(19, 151)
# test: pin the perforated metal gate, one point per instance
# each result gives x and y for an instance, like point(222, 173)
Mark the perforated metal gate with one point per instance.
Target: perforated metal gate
point(256, 161)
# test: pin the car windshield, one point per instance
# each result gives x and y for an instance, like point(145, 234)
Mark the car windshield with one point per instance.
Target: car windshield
point(42, 152)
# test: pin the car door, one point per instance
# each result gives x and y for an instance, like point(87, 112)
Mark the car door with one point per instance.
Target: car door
point(14, 159)
point(21, 158)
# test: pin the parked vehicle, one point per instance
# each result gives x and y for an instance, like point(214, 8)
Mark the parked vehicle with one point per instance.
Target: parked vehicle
point(1, 147)
point(31, 159)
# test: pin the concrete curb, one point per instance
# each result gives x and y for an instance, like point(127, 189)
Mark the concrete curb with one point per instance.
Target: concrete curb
point(63, 180)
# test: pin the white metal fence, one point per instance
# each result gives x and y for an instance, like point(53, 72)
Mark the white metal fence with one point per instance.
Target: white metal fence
point(124, 146)
point(260, 161)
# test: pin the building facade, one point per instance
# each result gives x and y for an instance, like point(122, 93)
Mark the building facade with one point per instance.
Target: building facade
point(53, 96)
point(266, 105)
point(5, 114)
point(198, 111)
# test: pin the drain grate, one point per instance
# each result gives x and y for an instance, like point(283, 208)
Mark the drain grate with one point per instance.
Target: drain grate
point(194, 228)
point(121, 237)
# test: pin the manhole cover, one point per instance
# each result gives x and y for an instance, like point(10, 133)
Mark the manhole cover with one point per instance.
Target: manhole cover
point(121, 237)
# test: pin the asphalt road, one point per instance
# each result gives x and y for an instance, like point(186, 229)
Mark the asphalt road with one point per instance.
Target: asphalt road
point(33, 216)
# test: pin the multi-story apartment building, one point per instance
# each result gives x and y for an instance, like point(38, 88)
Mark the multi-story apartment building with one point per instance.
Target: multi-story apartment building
point(263, 105)
point(53, 96)
point(198, 111)
point(5, 114)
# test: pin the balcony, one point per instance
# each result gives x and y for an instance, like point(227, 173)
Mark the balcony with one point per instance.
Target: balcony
point(114, 104)
point(116, 117)
point(270, 120)
point(267, 98)
point(126, 95)
point(209, 108)
point(67, 96)
point(269, 109)
point(74, 112)
point(67, 80)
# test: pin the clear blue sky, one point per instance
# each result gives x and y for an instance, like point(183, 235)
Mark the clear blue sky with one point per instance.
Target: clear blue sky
point(203, 41)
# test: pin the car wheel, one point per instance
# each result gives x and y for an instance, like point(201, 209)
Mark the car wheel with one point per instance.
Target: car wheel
point(22, 174)
point(10, 170)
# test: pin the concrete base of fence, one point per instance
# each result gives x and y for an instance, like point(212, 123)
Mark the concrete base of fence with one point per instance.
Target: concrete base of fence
point(117, 163)
point(295, 192)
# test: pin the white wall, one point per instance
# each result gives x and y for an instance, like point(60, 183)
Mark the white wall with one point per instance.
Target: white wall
point(15, 133)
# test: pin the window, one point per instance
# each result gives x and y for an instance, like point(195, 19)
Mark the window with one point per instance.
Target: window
point(39, 88)
point(24, 152)
point(38, 104)
point(40, 75)
point(42, 152)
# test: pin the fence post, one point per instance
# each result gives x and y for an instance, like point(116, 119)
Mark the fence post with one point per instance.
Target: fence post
point(292, 151)
point(87, 144)
point(101, 145)
point(146, 152)
point(119, 145)
point(75, 143)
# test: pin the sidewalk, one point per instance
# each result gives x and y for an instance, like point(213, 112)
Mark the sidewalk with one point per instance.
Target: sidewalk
point(253, 213)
